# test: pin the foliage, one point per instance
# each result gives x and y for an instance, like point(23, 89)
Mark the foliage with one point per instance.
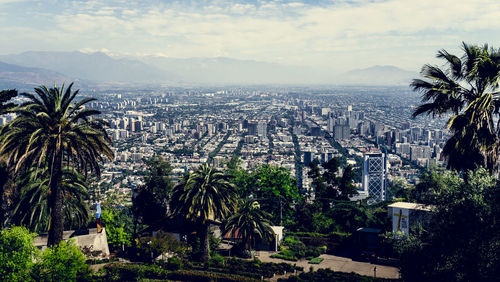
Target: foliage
point(5, 96)
point(284, 256)
point(32, 207)
point(115, 229)
point(466, 90)
point(249, 222)
point(158, 245)
point(64, 262)
point(51, 131)
point(461, 243)
point(174, 263)
point(194, 275)
point(327, 275)
point(293, 249)
point(316, 260)
point(17, 253)
point(328, 186)
point(203, 195)
point(132, 272)
point(150, 203)
point(272, 186)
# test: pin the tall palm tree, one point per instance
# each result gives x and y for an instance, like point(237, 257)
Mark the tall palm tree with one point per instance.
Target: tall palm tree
point(202, 196)
point(50, 130)
point(32, 209)
point(250, 222)
point(467, 89)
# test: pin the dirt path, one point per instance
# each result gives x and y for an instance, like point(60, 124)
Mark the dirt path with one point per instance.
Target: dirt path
point(336, 264)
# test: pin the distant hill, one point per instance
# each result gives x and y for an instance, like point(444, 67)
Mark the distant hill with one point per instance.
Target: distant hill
point(97, 68)
point(91, 66)
point(377, 75)
point(18, 76)
point(233, 71)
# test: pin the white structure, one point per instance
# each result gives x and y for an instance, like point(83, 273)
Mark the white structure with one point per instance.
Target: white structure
point(405, 215)
point(374, 175)
point(86, 238)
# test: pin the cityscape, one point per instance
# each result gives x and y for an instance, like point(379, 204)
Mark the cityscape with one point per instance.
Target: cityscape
point(282, 127)
point(249, 140)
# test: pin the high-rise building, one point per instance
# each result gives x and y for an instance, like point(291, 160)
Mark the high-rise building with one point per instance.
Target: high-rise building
point(308, 157)
point(262, 128)
point(374, 176)
point(331, 122)
point(341, 132)
point(252, 128)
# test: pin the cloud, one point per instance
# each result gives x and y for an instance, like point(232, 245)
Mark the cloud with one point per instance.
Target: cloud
point(352, 33)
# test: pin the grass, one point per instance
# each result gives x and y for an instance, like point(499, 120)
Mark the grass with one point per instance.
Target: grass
point(317, 260)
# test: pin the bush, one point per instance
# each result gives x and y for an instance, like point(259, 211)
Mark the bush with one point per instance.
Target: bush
point(216, 260)
point(192, 275)
point(322, 249)
point(132, 272)
point(285, 257)
point(64, 262)
point(174, 263)
point(327, 275)
point(316, 260)
point(16, 253)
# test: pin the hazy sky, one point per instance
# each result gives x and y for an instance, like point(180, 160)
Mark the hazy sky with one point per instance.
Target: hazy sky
point(342, 35)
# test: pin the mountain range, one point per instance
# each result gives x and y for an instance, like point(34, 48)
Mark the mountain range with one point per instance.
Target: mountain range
point(34, 68)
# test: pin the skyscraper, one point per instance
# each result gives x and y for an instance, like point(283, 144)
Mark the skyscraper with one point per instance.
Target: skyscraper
point(374, 175)
point(262, 129)
point(252, 128)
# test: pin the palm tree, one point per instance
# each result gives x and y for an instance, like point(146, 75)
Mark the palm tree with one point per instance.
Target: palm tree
point(5, 96)
point(202, 196)
point(32, 209)
point(468, 91)
point(250, 222)
point(51, 131)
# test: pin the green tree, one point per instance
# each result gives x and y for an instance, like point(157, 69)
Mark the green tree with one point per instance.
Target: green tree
point(461, 243)
point(467, 89)
point(328, 187)
point(5, 177)
point(32, 207)
point(249, 223)
point(63, 262)
point(17, 253)
point(5, 96)
point(150, 203)
point(202, 196)
point(51, 131)
point(116, 234)
point(276, 190)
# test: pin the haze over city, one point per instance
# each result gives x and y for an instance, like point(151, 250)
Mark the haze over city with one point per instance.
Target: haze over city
point(304, 41)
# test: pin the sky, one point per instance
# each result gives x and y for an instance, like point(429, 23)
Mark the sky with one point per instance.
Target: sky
point(338, 34)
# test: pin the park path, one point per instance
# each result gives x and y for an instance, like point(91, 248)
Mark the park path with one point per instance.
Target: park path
point(335, 263)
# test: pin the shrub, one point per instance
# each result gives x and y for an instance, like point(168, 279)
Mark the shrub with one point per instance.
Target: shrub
point(316, 260)
point(327, 275)
point(192, 275)
point(285, 257)
point(322, 249)
point(216, 260)
point(132, 272)
point(174, 263)
point(64, 262)
point(16, 253)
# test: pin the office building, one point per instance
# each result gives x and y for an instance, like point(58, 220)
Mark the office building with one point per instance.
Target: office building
point(374, 176)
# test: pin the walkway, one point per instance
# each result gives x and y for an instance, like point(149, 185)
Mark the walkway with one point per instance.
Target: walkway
point(335, 263)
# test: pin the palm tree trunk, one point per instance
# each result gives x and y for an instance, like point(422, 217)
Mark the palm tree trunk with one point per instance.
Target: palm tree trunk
point(55, 202)
point(204, 244)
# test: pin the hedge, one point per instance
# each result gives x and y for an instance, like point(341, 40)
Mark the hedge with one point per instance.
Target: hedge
point(194, 275)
